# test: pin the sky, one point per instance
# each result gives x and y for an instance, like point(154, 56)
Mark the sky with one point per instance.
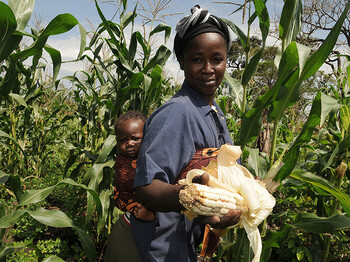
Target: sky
point(86, 13)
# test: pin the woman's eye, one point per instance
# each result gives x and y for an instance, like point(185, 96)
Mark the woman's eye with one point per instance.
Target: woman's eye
point(196, 60)
point(218, 59)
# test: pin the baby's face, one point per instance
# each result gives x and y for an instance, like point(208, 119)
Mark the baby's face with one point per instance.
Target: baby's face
point(129, 137)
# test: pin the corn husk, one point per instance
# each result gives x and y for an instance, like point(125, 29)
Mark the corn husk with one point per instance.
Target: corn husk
point(229, 175)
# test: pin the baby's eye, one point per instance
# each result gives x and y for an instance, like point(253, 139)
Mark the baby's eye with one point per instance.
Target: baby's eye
point(121, 140)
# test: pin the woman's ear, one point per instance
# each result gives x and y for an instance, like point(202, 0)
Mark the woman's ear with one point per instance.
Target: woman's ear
point(180, 59)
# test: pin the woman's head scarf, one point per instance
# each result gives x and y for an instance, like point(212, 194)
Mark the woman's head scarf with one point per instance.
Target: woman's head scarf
point(198, 22)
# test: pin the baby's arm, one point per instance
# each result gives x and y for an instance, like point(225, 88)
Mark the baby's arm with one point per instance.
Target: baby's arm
point(143, 213)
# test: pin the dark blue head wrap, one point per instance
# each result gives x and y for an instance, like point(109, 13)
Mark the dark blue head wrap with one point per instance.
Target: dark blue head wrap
point(198, 22)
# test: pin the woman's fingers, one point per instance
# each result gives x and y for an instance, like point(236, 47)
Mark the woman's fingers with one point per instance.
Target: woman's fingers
point(202, 179)
point(230, 219)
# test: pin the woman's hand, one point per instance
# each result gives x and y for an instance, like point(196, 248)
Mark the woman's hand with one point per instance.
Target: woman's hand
point(143, 213)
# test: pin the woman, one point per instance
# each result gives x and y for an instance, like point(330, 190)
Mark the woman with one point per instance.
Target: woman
point(188, 122)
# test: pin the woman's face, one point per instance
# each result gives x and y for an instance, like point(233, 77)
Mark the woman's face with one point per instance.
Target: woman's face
point(129, 137)
point(204, 63)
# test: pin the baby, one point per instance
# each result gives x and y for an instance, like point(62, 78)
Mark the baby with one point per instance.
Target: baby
point(129, 132)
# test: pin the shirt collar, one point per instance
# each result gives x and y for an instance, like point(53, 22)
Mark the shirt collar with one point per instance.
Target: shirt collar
point(198, 99)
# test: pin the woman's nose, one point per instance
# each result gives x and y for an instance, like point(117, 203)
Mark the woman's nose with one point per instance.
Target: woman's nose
point(207, 67)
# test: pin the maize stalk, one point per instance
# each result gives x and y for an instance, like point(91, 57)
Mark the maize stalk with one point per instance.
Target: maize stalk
point(257, 202)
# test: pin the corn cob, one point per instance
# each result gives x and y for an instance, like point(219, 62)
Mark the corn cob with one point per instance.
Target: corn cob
point(208, 201)
point(227, 175)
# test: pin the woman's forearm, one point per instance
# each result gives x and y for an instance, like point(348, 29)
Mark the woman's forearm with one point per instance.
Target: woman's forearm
point(160, 196)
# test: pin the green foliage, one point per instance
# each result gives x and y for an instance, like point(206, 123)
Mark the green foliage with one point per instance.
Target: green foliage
point(57, 144)
point(293, 149)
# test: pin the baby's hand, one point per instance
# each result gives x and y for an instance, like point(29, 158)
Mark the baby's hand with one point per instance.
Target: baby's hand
point(143, 213)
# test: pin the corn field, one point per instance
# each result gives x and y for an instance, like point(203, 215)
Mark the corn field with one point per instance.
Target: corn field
point(57, 144)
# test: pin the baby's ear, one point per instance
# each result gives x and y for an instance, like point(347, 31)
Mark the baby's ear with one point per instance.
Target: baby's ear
point(180, 59)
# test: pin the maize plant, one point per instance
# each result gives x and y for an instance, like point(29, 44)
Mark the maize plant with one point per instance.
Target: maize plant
point(295, 65)
point(26, 133)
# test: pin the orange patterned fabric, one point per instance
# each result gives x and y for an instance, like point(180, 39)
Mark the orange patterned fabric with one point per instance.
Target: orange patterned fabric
point(124, 195)
point(201, 158)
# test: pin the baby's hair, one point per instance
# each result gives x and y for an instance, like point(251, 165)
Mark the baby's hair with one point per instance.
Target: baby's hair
point(129, 115)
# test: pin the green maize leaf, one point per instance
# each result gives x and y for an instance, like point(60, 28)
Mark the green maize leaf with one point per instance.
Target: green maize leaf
point(222, 102)
point(288, 76)
point(93, 193)
point(52, 218)
point(317, 59)
point(223, 247)
point(344, 114)
point(23, 11)
point(159, 58)
point(161, 28)
point(152, 92)
point(121, 61)
point(4, 251)
point(105, 197)
point(252, 18)
point(53, 259)
point(60, 24)
point(135, 83)
point(9, 46)
point(133, 45)
point(107, 147)
point(303, 52)
point(82, 31)
point(342, 146)
point(256, 164)
point(240, 34)
point(2, 210)
point(8, 26)
point(10, 219)
point(3, 134)
point(105, 24)
point(87, 244)
point(129, 17)
point(321, 107)
point(329, 105)
point(32, 196)
point(313, 223)
point(264, 19)
point(19, 99)
point(291, 21)
point(324, 184)
point(274, 239)
point(264, 23)
point(96, 173)
point(242, 247)
point(251, 67)
point(13, 182)
point(251, 122)
point(235, 89)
